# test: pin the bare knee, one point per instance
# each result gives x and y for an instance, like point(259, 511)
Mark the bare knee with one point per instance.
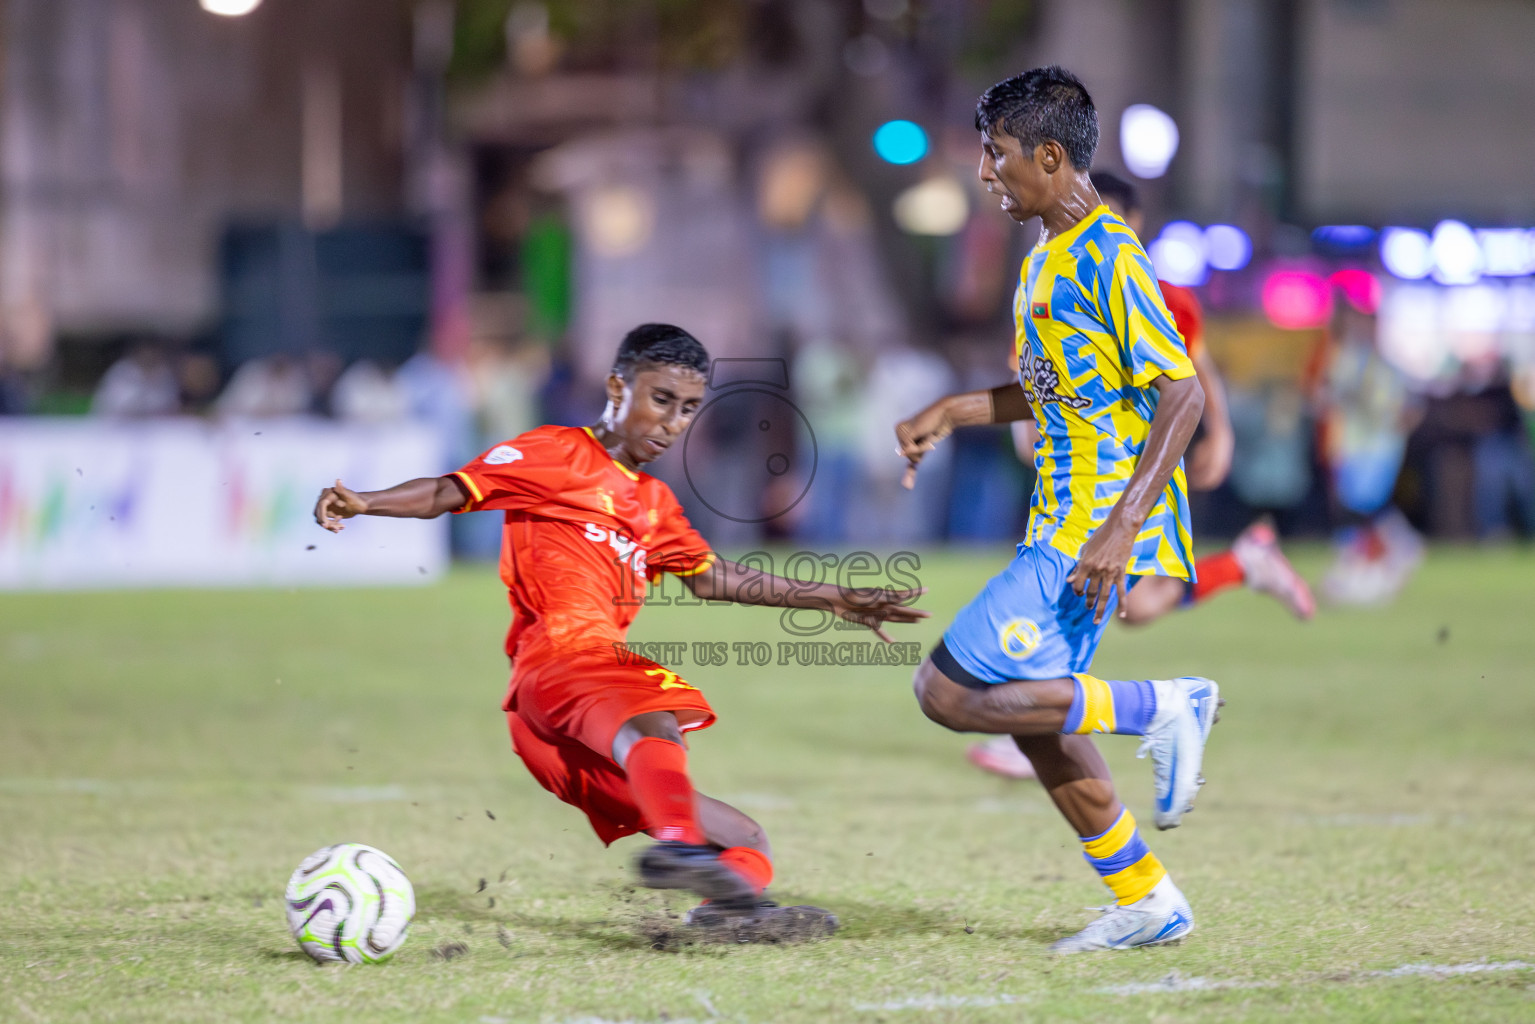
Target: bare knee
point(936, 696)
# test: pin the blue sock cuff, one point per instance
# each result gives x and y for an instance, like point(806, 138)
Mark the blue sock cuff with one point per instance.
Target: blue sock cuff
point(1135, 703)
point(1078, 708)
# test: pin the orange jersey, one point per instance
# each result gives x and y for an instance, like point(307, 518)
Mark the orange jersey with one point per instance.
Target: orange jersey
point(583, 537)
point(1183, 304)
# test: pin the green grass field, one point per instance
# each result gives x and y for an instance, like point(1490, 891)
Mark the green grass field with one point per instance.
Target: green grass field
point(167, 758)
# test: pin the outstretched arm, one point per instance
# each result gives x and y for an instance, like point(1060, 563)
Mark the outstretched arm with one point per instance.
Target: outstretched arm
point(1101, 564)
point(742, 584)
point(921, 434)
point(425, 497)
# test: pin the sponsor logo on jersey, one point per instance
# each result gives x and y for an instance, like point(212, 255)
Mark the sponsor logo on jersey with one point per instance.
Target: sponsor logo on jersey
point(501, 455)
point(629, 551)
point(1040, 381)
point(1019, 638)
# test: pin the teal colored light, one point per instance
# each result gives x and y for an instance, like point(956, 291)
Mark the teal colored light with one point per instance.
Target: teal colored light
point(900, 142)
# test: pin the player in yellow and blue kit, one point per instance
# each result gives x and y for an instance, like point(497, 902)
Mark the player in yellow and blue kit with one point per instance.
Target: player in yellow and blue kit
point(1104, 373)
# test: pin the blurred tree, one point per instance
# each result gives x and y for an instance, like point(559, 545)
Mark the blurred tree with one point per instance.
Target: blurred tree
point(693, 35)
point(675, 34)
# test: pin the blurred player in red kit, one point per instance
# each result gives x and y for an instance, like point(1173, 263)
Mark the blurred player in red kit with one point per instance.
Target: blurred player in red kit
point(586, 531)
point(1254, 558)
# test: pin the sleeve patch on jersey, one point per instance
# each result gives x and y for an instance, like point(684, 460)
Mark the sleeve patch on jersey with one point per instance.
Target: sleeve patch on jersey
point(502, 455)
point(1040, 310)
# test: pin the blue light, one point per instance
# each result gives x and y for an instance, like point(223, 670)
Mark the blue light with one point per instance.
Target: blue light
point(1344, 236)
point(1228, 246)
point(900, 142)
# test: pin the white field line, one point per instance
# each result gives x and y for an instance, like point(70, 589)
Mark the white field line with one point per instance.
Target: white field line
point(1176, 983)
point(1443, 971)
point(943, 1002)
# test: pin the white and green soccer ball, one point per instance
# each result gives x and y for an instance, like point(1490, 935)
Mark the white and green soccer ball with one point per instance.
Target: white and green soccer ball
point(350, 903)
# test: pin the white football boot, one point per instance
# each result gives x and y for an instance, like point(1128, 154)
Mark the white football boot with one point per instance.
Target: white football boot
point(1161, 916)
point(1186, 709)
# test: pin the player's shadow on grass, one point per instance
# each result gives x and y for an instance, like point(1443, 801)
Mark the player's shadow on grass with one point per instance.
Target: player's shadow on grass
point(635, 915)
point(464, 906)
point(885, 920)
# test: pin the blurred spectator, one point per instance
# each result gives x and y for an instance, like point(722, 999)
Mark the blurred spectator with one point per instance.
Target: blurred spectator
point(902, 381)
point(198, 374)
point(504, 384)
point(990, 496)
point(1365, 412)
point(324, 370)
point(1504, 488)
point(364, 393)
point(1274, 469)
point(828, 389)
point(277, 385)
point(438, 394)
point(504, 389)
point(141, 383)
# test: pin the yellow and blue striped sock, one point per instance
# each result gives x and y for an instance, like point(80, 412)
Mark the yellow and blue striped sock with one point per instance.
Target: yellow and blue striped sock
point(1122, 859)
point(1111, 705)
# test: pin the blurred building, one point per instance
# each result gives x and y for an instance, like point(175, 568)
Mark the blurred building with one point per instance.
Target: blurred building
point(331, 181)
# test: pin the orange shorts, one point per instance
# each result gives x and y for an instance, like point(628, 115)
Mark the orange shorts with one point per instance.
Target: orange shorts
point(565, 713)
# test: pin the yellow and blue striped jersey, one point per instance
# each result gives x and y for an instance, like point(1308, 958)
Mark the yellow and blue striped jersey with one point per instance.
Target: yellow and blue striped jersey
point(1092, 333)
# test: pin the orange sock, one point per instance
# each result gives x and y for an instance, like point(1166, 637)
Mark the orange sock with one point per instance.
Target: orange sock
point(1215, 573)
point(658, 780)
point(752, 865)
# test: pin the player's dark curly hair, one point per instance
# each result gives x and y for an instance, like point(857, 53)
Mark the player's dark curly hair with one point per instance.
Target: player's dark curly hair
point(1112, 186)
point(1040, 104)
point(659, 345)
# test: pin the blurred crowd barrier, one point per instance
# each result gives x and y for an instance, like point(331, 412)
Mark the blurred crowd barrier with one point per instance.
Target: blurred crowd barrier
point(95, 502)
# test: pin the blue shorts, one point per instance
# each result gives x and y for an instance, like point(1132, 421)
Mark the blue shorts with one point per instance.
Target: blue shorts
point(1026, 623)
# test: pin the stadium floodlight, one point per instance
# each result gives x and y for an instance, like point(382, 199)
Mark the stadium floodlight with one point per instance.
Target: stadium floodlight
point(1457, 257)
point(230, 8)
point(1506, 252)
point(1296, 300)
point(1148, 140)
point(1407, 253)
point(1227, 247)
point(900, 142)
point(937, 206)
point(1179, 254)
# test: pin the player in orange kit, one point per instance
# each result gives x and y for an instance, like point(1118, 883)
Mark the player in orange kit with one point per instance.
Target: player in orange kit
point(586, 531)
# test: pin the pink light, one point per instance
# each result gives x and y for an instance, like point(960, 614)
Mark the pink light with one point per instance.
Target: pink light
point(1296, 300)
point(1359, 287)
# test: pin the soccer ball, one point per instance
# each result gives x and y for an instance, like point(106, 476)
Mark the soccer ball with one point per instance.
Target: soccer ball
point(350, 903)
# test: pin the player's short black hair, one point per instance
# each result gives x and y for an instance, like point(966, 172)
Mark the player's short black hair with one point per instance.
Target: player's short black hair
point(1112, 186)
point(659, 345)
point(1040, 104)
